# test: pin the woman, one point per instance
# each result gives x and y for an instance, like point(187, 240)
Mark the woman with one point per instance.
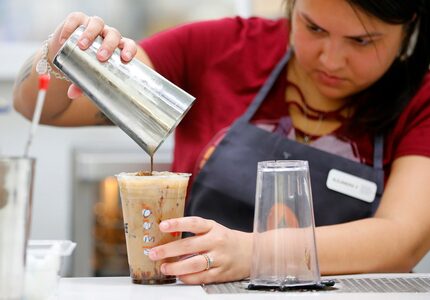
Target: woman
point(344, 87)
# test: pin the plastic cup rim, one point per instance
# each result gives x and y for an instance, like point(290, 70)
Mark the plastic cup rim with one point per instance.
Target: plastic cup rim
point(282, 164)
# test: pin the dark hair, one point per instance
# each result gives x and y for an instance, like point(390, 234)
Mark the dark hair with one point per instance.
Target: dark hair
point(377, 108)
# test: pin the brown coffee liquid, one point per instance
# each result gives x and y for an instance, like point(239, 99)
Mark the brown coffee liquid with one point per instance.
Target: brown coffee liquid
point(167, 280)
point(152, 163)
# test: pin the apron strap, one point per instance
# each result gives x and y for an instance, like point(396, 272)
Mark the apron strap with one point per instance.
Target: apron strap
point(378, 166)
point(378, 152)
point(259, 98)
point(378, 160)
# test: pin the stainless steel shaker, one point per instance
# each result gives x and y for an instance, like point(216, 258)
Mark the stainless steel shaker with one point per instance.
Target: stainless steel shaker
point(145, 105)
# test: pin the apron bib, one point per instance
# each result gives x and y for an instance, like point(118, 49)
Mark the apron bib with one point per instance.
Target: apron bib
point(224, 190)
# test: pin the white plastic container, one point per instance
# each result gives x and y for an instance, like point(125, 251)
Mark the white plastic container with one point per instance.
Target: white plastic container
point(44, 262)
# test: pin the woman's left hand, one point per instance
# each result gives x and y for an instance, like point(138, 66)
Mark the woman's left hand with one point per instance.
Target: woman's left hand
point(229, 251)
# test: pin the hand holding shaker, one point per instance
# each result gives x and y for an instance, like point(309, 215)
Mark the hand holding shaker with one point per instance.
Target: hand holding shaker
point(145, 105)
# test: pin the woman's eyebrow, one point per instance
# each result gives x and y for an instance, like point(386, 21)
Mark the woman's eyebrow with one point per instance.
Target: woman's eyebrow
point(310, 21)
point(361, 36)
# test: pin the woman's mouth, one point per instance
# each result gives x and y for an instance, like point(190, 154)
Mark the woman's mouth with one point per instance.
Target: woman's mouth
point(328, 79)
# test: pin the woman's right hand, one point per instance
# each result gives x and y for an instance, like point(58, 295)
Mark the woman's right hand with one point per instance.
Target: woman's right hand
point(94, 26)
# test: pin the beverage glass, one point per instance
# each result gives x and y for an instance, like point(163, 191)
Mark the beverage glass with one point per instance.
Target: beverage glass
point(147, 199)
point(16, 178)
point(284, 248)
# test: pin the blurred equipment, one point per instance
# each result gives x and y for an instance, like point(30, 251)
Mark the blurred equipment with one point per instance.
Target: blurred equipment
point(110, 253)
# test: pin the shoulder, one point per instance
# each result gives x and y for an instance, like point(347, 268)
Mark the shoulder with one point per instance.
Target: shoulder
point(411, 132)
point(234, 25)
point(221, 31)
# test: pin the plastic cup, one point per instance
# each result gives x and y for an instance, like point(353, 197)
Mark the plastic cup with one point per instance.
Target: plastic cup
point(16, 178)
point(284, 248)
point(146, 201)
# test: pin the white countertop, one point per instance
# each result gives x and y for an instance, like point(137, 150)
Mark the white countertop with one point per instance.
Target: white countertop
point(107, 288)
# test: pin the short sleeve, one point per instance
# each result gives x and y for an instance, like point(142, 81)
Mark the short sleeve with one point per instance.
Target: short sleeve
point(183, 53)
point(411, 135)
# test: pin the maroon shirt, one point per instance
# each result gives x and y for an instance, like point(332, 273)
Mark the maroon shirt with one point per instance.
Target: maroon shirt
point(224, 63)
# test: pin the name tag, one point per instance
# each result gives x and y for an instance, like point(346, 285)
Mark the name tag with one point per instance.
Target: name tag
point(351, 185)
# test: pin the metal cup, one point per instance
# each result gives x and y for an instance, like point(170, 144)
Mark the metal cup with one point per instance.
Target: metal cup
point(284, 248)
point(145, 105)
point(16, 178)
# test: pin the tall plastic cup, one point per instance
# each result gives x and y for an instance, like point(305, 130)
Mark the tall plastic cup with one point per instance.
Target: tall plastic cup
point(145, 105)
point(146, 201)
point(16, 177)
point(284, 248)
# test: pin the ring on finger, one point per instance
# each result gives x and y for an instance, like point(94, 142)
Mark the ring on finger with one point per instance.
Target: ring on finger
point(209, 261)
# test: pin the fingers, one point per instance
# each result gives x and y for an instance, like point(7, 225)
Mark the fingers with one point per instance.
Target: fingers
point(187, 246)
point(73, 21)
point(128, 49)
point(95, 26)
point(111, 40)
point(195, 225)
point(202, 277)
point(191, 265)
point(74, 92)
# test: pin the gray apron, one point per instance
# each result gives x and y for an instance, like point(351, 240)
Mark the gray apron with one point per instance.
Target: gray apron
point(224, 190)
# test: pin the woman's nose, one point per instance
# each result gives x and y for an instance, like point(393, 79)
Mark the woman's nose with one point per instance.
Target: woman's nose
point(332, 56)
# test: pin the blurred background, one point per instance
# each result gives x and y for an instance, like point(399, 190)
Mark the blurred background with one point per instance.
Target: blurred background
point(75, 196)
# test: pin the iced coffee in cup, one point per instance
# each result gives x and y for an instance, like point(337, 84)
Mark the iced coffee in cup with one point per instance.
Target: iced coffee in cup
point(147, 199)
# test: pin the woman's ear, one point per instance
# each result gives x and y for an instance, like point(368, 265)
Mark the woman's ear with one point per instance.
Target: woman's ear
point(411, 40)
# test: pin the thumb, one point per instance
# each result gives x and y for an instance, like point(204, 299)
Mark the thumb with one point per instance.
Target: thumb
point(74, 92)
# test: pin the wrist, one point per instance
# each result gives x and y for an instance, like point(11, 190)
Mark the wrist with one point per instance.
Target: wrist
point(44, 65)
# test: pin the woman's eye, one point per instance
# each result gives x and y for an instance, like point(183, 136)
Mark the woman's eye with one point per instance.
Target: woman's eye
point(314, 28)
point(362, 42)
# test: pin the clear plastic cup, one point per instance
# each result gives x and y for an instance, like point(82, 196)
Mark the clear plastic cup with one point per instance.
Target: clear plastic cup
point(284, 248)
point(146, 201)
point(16, 178)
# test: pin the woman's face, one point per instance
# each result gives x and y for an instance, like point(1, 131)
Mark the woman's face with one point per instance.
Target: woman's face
point(341, 49)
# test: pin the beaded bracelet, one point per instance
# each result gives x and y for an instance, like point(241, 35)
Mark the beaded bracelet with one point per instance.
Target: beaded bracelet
point(43, 66)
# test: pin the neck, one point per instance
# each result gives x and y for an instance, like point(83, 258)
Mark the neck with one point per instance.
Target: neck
point(314, 98)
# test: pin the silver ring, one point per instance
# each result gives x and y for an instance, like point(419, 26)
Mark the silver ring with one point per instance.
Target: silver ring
point(209, 261)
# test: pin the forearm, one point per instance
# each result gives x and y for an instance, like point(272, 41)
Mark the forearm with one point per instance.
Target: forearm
point(372, 245)
point(26, 89)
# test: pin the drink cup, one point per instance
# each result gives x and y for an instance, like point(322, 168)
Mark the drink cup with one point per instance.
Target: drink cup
point(16, 177)
point(147, 199)
point(284, 248)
